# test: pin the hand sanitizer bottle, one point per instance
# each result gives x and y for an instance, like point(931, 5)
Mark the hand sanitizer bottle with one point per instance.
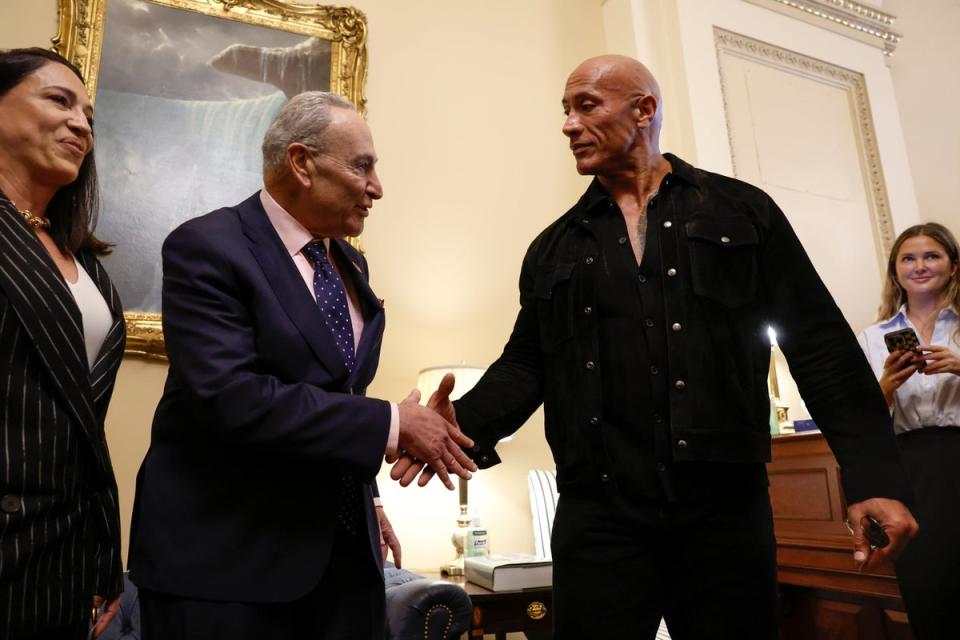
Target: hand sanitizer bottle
point(477, 542)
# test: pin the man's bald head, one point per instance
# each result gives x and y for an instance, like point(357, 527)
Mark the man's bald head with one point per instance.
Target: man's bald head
point(618, 73)
point(613, 112)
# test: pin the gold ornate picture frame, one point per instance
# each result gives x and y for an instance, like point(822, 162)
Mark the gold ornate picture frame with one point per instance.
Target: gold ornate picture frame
point(184, 90)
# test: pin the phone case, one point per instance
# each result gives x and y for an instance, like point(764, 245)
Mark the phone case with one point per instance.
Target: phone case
point(902, 340)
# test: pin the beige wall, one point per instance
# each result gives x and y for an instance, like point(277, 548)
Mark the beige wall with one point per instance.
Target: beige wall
point(924, 71)
point(464, 103)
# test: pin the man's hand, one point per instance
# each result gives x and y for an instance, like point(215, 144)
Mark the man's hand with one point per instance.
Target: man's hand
point(103, 617)
point(428, 437)
point(897, 522)
point(388, 539)
point(407, 467)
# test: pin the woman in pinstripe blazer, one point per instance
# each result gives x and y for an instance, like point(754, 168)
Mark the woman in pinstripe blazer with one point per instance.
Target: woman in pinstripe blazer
point(61, 342)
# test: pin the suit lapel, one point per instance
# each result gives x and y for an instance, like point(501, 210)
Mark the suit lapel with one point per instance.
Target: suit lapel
point(372, 310)
point(287, 284)
point(102, 375)
point(48, 313)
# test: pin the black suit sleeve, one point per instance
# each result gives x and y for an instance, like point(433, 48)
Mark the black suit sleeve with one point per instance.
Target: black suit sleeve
point(831, 372)
point(512, 388)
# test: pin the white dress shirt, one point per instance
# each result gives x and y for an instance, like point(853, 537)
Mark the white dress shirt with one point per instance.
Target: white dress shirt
point(922, 400)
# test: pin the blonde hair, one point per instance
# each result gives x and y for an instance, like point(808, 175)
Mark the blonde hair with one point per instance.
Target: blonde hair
point(893, 294)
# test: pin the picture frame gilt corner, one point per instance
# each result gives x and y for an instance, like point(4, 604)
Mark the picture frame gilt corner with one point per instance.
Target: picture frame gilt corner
point(329, 43)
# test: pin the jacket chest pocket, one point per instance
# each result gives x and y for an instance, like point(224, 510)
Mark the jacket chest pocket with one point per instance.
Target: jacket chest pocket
point(723, 259)
point(554, 297)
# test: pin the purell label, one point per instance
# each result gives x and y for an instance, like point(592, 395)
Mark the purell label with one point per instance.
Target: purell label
point(477, 543)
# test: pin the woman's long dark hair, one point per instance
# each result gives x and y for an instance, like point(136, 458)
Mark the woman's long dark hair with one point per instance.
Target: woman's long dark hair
point(73, 209)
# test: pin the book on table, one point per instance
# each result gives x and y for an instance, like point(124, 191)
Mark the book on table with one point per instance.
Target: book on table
point(509, 571)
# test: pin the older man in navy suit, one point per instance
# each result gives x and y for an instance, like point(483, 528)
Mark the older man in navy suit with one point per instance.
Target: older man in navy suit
point(255, 513)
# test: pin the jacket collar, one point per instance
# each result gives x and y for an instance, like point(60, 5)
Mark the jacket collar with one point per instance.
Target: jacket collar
point(597, 196)
point(287, 284)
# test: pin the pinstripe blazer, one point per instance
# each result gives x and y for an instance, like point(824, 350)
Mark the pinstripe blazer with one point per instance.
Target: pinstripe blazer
point(59, 519)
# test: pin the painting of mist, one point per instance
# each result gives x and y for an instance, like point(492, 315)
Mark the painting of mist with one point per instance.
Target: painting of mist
point(182, 103)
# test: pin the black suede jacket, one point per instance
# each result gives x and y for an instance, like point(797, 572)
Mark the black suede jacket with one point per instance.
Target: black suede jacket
point(732, 266)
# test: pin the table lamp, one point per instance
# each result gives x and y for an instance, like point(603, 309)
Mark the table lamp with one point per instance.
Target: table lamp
point(427, 382)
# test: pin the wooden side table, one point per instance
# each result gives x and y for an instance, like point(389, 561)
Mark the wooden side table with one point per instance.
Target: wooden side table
point(498, 612)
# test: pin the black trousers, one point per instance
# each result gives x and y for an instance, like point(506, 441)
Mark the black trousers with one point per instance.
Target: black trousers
point(347, 604)
point(929, 569)
point(707, 566)
point(77, 631)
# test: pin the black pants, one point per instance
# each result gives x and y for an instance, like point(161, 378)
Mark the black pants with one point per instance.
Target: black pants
point(76, 631)
point(347, 604)
point(708, 567)
point(929, 569)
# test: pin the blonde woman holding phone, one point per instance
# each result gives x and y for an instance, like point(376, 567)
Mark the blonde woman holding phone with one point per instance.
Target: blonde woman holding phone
point(922, 388)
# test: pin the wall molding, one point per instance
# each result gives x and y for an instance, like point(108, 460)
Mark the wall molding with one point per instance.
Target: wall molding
point(851, 81)
point(852, 19)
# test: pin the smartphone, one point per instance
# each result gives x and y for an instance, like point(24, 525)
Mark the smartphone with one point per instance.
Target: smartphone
point(872, 531)
point(904, 340)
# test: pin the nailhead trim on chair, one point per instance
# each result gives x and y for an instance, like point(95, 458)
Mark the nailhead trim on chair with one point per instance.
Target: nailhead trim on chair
point(426, 621)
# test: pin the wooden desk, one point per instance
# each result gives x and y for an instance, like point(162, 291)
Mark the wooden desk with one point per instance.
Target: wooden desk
point(822, 593)
point(498, 612)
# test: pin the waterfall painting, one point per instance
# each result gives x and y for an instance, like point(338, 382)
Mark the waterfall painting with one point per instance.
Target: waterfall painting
point(184, 91)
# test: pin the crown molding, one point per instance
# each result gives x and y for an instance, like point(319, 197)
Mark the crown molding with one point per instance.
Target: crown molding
point(852, 19)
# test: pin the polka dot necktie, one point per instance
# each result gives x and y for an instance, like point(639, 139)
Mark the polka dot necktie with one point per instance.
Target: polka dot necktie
point(332, 300)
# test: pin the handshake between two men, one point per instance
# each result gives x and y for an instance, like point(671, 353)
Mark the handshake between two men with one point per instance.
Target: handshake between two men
point(430, 440)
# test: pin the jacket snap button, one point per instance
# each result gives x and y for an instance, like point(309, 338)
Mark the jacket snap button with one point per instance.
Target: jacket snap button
point(605, 477)
point(10, 504)
point(681, 444)
point(680, 384)
point(590, 365)
point(667, 224)
point(676, 326)
point(671, 272)
point(589, 260)
point(594, 420)
point(587, 311)
point(484, 458)
point(724, 239)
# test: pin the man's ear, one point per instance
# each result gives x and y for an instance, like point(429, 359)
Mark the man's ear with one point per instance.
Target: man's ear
point(646, 109)
point(298, 157)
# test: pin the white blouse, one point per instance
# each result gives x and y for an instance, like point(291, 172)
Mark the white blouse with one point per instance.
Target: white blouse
point(97, 318)
point(923, 400)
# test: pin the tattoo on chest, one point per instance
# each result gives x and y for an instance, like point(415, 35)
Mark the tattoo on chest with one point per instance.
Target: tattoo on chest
point(639, 239)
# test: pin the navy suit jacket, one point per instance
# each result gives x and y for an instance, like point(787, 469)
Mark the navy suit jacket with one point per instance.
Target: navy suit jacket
point(237, 496)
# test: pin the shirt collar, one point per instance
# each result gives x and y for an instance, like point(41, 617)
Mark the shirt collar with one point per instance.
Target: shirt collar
point(293, 235)
point(596, 194)
point(900, 317)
